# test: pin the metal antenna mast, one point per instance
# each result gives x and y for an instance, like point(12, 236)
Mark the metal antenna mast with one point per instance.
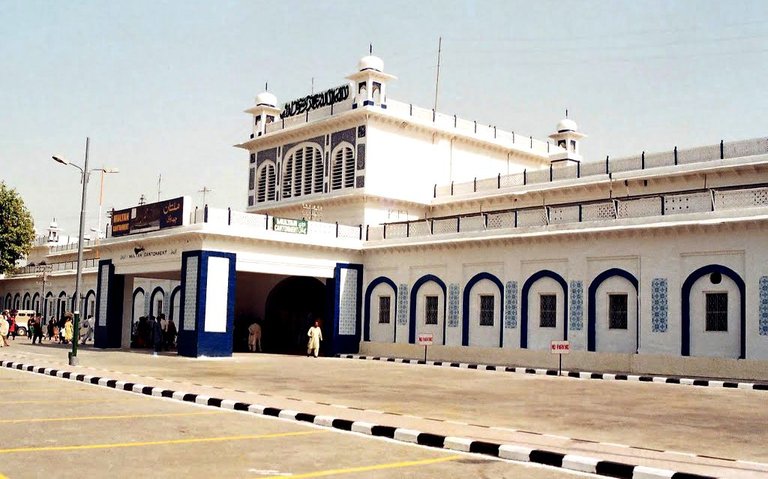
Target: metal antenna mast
point(437, 79)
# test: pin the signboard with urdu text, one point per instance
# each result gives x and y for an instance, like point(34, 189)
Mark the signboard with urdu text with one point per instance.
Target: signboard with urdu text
point(149, 217)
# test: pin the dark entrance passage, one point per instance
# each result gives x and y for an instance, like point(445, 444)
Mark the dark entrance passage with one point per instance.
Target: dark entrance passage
point(292, 307)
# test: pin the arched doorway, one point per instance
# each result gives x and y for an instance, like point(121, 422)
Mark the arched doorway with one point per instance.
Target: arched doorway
point(292, 306)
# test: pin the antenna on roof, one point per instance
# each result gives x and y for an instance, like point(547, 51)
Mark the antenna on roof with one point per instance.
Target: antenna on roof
point(566, 112)
point(370, 49)
point(312, 89)
point(266, 86)
point(437, 79)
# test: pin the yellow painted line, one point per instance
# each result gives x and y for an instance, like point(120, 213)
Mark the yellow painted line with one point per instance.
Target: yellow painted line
point(156, 443)
point(375, 467)
point(68, 401)
point(3, 477)
point(126, 416)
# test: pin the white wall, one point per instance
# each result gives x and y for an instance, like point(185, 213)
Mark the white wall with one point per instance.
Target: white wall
point(383, 332)
point(615, 340)
point(725, 344)
point(430, 288)
point(538, 337)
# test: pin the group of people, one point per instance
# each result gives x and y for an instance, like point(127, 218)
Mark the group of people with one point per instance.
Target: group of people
point(156, 333)
point(314, 335)
point(55, 330)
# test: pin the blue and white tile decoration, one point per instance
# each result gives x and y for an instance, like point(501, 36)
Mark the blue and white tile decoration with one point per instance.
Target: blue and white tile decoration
point(763, 323)
point(402, 304)
point(190, 290)
point(510, 305)
point(659, 305)
point(577, 306)
point(453, 305)
point(102, 316)
point(348, 302)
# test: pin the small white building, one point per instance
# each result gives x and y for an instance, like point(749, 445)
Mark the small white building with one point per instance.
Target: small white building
point(387, 221)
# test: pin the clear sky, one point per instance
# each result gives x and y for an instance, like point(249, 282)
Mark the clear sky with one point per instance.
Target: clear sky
point(159, 86)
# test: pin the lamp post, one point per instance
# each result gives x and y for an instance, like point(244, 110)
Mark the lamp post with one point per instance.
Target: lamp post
point(84, 175)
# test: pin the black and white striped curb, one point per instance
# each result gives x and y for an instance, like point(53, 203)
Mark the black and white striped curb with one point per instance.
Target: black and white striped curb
point(503, 451)
point(570, 374)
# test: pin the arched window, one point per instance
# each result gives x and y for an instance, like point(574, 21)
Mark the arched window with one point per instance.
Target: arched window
point(343, 167)
point(303, 173)
point(265, 186)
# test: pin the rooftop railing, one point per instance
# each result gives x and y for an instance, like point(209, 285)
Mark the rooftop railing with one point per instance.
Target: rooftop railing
point(724, 150)
point(641, 207)
point(55, 267)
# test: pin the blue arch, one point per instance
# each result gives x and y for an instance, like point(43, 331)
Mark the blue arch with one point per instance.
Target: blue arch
point(592, 306)
point(412, 317)
point(465, 306)
point(545, 273)
point(367, 306)
point(686, 306)
point(133, 300)
point(171, 311)
point(86, 311)
point(152, 300)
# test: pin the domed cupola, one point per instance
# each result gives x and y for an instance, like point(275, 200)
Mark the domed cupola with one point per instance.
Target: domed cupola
point(370, 82)
point(264, 113)
point(567, 138)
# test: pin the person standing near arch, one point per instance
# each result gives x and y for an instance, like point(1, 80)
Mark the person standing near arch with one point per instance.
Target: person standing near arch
point(315, 336)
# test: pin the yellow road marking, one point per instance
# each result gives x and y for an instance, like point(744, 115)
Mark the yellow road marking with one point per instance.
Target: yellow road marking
point(44, 390)
point(126, 416)
point(67, 401)
point(156, 443)
point(375, 467)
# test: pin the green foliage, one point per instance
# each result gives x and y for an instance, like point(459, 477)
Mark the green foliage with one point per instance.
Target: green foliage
point(17, 230)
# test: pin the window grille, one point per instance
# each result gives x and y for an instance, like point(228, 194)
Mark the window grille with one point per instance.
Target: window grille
point(430, 312)
point(265, 185)
point(717, 312)
point(617, 311)
point(343, 169)
point(287, 177)
point(487, 304)
point(384, 309)
point(548, 311)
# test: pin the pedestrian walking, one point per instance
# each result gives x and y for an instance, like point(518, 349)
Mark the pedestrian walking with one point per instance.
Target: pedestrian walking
point(68, 328)
point(37, 336)
point(315, 336)
point(155, 335)
point(170, 335)
point(12, 325)
point(88, 327)
point(254, 337)
point(4, 330)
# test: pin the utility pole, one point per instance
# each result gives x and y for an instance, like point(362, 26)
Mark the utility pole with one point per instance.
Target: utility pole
point(204, 191)
point(159, 180)
point(437, 79)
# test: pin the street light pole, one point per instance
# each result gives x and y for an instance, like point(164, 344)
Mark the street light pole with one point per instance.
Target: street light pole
point(78, 299)
point(85, 174)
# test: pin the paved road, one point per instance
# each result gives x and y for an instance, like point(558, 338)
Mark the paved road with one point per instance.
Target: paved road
point(668, 426)
point(51, 427)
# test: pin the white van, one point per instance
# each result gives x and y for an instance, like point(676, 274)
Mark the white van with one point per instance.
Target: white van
point(22, 319)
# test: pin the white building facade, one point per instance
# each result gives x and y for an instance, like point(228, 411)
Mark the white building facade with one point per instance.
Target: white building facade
point(395, 221)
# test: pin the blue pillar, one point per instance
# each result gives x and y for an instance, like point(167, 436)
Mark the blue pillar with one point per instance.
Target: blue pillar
point(348, 292)
point(109, 307)
point(207, 303)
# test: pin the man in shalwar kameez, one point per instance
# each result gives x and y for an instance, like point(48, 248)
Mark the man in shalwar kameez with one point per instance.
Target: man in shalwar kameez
point(315, 336)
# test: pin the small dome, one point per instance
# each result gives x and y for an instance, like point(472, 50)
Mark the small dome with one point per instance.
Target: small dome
point(371, 62)
point(266, 99)
point(567, 124)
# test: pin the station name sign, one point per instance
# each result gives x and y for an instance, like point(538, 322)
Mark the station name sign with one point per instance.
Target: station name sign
point(288, 225)
point(149, 217)
point(315, 101)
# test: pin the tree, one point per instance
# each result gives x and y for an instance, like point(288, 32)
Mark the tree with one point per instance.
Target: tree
point(17, 230)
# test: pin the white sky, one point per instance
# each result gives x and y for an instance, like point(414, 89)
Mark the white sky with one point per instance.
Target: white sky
point(159, 86)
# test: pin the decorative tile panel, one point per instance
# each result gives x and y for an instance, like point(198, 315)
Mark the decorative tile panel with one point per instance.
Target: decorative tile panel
point(659, 305)
point(361, 131)
point(510, 305)
point(763, 310)
point(347, 301)
point(361, 157)
point(101, 317)
point(576, 314)
point(360, 182)
point(342, 136)
point(266, 155)
point(453, 305)
point(402, 304)
point(190, 298)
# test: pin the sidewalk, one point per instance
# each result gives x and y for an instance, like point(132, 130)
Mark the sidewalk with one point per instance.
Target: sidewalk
point(716, 432)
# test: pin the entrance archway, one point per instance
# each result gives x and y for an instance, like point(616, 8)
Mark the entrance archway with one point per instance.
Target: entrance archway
point(292, 306)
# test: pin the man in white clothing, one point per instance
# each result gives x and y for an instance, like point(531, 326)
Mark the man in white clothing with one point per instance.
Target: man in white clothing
point(315, 336)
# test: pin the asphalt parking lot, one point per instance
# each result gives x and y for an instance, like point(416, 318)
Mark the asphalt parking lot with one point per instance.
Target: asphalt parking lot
point(50, 427)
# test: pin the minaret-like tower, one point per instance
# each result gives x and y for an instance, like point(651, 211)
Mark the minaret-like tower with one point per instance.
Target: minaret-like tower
point(567, 137)
point(264, 113)
point(53, 232)
point(370, 83)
